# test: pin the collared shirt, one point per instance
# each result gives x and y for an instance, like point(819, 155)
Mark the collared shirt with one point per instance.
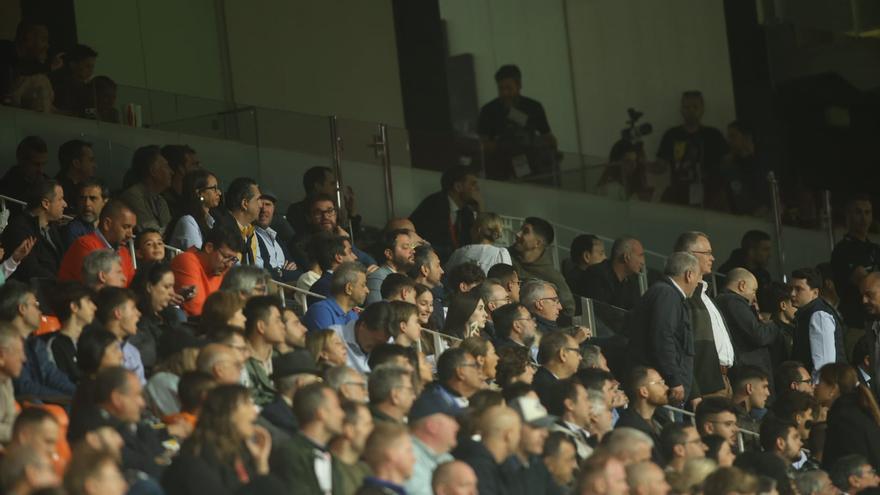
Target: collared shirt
point(131, 360)
point(268, 237)
point(822, 348)
point(187, 233)
point(675, 284)
point(250, 242)
point(426, 462)
point(723, 345)
point(326, 314)
point(323, 466)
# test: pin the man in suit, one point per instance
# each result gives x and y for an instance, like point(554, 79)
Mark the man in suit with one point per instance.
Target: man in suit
point(35, 227)
point(560, 357)
point(659, 327)
point(444, 218)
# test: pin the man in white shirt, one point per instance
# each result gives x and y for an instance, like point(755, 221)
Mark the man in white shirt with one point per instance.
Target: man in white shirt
point(818, 330)
point(270, 253)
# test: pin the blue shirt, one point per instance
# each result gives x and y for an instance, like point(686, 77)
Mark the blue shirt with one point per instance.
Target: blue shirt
point(325, 314)
point(76, 229)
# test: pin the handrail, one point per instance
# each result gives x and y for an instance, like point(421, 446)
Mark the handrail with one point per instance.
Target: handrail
point(4, 199)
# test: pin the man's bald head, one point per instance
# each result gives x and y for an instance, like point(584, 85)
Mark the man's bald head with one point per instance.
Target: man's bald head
point(742, 282)
point(497, 420)
point(454, 478)
point(870, 288)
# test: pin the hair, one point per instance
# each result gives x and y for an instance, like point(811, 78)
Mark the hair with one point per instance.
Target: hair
point(346, 273)
point(508, 71)
point(730, 480)
point(502, 272)
point(542, 228)
point(515, 391)
point(316, 342)
point(389, 239)
point(308, 400)
point(44, 189)
point(686, 241)
point(85, 463)
point(91, 347)
point(28, 146)
point(218, 309)
point(16, 462)
point(787, 373)
point(141, 238)
point(108, 300)
point(383, 437)
point(534, 290)
point(455, 174)
point(219, 237)
point(64, 294)
point(103, 84)
point(679, 263)
point(846, 466)
point(591, 354)
point(844, 376)
point(215, 431)
point(673, 434)
point(486, 288)
point(78, 53)
point(791, 402)
point(257, 309)
point(594, 378)
point(30, 417)
point(384, 379)
point(394, 283)
point(488, 227)
point(239, 190)
point(314, 199)
point(771, 295)
point(809, 482)
point(70, 151)
point(773, 428)
point(752, 238)
point(810, 275)
point(193, 388)
point(635, 380)
point(550, 346)
point(328, 246)
point(194, 182)
point(464, 273)
point(477, 405)
point(175, 154)
point(313, 176)
point(622, 246)
point(141, 162)
point(375, 317)
point(244, 279)
point(337, 375)
point(504, 317)
point(745, 374)
point(512, 362)
point(148, 275)
point(476, 346)
point(461, 306)
point(561, 391)
point(386, 353)
point(98, 262)
point(421, 257)
point(109, 380)
point(582, 244)
point(451, 359)
point(13, 294)
point(710, 406)
point(92, 182)
point(623, 439)
point(401, 312)
point(554, 442)
point(113, 209)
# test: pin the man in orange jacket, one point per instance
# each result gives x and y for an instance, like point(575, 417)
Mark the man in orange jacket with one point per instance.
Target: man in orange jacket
point(204, 268)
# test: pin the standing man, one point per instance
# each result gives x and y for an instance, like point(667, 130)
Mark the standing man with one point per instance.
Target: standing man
point(754, 253)
point(870, 288)
point(532, 258)
point(853, 258)
point(615, 280)
point(444, 218)
point(818, 333)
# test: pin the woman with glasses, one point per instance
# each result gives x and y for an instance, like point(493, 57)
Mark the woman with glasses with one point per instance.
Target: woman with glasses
point(466, 316)
point(485, 232)
point(201, 192)
point(227, 452)
point(853, 423)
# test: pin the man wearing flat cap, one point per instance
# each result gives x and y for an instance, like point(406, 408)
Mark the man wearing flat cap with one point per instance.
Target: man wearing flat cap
point(271, 254)
point(290, 372)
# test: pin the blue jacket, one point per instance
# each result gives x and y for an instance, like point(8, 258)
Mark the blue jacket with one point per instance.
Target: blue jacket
point(39, 376)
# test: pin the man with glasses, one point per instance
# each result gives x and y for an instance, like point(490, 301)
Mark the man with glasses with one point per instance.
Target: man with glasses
point(515, 327)
point(204, 268)
point(717, 416)
point(559, 357)
point(323, 216)
point(853, 474)
point(391, 393)
point(792, 375)
point(494, 296)
point(459, 376)
point(647, 391)
point(680, 443)
point(397, 248)
point(714, 354)
point(348, 382)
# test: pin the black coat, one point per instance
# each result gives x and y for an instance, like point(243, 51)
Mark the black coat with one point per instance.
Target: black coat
point(751, 337)
point(191, 474)
point(851, 430)
point(544, 383)
point(490, 477)
point(629, 418)
point(281, 415)
point(44, 259)
point(431, 219)
point(659, 329)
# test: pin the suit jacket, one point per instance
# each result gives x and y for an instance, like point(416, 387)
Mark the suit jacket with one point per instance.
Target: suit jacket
point(280, 414)
point(44, 259)
point(431, 219)
point(191, 474)
point(294, 462)
point(543, 383)
point(660, 333)
point(751, 337)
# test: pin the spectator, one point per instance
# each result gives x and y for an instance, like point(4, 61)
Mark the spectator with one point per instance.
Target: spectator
point(754, 253)
point(241, 208)
point(118, 314)
point(692, 152)
point(348, 448)
point(73, 306)
point(485, 232)
point(854, 257)
point(330, 252)
point(365, 334)
point(264, 329)
point(271, 254)
point(713, 349)
point(458, 376)
point(602, 474)
point(751, 337)
point(90, 198)
point(428, 272)
point(500, 428)
point(870, 289)
point(246, 281)
point(513, 129)
point(445, 217)
point(646, 478)
point(680, 443)
point(399, 258)
point(542, 301)
point(76, 159)
point(829, 289)
point(433, 432)
point(389, 453)
point(31, 157)
point(532, 258)
point(570, 404)
point(149, 246)
point(781, 437)
point(560, 458)
point(792, 375)
point(12, 358)
point(506, 275)
point(94, 472)
point(318, 181)
point(391, 394)
point(34, 236)
point(751, 390)
point(454, 478)
point(320, 418)
point(398, 287)
point(854, 474)
point(115, 229)
point(150, 176)
point(586, 250)
point(290, 372)
point(464, 277)
point(466, 316)
point(97, 349)
point(294, 331)
point(629, 445)
point(559, 357)
point(484, 352)
point(71, 82)
point(425, 305)
point(204, 268)
point(717, 416)
point(404, 325)
point(797, 407)
point(593, 357)
point(327, 347)
point(647, 392)
point(200, 194)
point(323, 217)
point(348, 289)
point(814, 483)
point(220, 361)
point(183, 160)
point(103, 268)
point(514, 327)
point(515, 365)
point(743, 174)
point(26, 470)
point(221, 309)
point(818, 335)
point(615, 280)
point(348, 383)
point(660, 326)
point(853, 416)
point(775, 304)
point(167, 394)
point(105, 99)
point(154, 288)
point(227, 452)
point(525, 470)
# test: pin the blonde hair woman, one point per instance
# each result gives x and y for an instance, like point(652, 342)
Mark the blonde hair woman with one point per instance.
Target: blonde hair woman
point(485, 232)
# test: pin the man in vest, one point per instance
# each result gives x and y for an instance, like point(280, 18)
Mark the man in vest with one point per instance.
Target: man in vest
point(818, 335)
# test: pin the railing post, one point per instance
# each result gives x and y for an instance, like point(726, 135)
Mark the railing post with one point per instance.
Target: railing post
point(777, 222)
point(643, 280)
point(380, 144)
point(336, 146)
point(588, 315)
point(829, 220)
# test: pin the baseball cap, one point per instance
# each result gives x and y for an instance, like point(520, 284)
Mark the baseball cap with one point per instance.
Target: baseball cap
point(532, 412)
point(433, 402)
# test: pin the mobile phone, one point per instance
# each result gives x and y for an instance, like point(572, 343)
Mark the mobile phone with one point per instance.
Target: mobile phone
point(188, 293)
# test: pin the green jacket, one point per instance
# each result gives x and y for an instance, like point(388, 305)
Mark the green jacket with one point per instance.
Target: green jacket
point(262, 389)
point(543, 269)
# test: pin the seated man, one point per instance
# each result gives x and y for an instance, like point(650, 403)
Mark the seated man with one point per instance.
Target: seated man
point(89, 200)
point(854, 474)
point(781, 437)
point(151, 176)
point(76, 159)
point(115, 229)
point(271, 254)
point(398, 287)
point(240, 209)
point(264, 329)
point(680, 443)
point(453, 478)
point(290, 372)
point(507, 276)
point(118, 314)
point(532, 258)
point(433, 430)
point(569, 403)
point(182, 159)
point(615, 280)
point(647, 392)
point(399, 258)
point(751, 390)
point(457, 376)
point(364, 334)
point(560, 357)
point(331, 251)
point(348, 289)
point(515, 327)
point(102, 268)
point(388, 452)
point(464, 277)
point(73, 306)
point(204, 268)
point(391, 393)
point(37, 222)
point(717, 416)
point(500, 428)
point(320, 181)
point(11, 359)
point(31, 157)
point(323, 217)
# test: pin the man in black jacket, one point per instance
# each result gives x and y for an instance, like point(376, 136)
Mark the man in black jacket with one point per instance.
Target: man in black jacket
point(445, 218)
point(45, 206)
point(753, 255)
point(290, 372)
point(659, 327)
point(751, 337)
point(500, 428)
point(615, 280)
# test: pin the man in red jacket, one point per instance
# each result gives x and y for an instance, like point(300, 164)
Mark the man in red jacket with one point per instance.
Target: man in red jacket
point(115, 230)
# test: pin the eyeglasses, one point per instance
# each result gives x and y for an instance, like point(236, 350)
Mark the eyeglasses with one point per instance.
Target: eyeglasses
point(705, 253)
point(329, 212)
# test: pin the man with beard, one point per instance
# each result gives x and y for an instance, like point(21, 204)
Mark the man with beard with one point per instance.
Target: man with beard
point(515, 327)
point(399, 258)
point(270, 253)
point(533, 259)
point(647, 391)
point(92, 197)
point(323, 216)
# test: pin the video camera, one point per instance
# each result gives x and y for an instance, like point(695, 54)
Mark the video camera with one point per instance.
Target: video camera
point(633, 133)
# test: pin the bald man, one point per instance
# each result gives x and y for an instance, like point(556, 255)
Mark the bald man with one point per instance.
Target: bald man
point(500, 429)
point(454, 478)
point(870, 289)
point(221, 361)
point(646, 478)
point(751, 337)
